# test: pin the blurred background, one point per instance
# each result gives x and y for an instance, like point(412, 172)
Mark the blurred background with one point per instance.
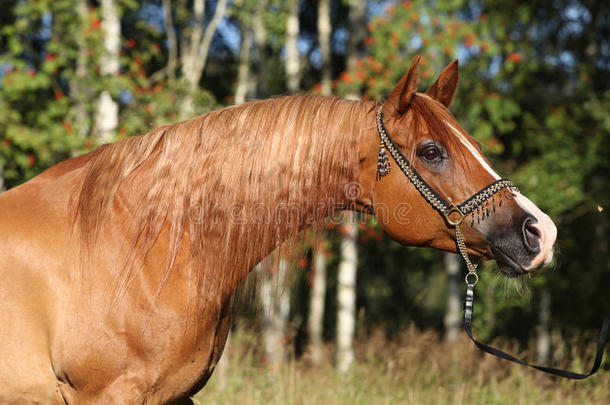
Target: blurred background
point(359, 319)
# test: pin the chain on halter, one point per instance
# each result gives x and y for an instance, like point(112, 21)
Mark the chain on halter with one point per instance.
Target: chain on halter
point(454, 215)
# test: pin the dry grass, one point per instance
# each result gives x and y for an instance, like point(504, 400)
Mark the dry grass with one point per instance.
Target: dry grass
point(416, 368)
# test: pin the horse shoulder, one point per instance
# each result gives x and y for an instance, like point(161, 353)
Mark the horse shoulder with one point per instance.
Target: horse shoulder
point(33, 257)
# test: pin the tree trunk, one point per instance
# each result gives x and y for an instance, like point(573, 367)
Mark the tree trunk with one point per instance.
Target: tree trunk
point(356, 15)
point(543, 348)
point(317, 297)
point(107, 119)
point(195, 50)
point(346, 294)
point(453, 316)
point(81, 96)
point(259, 77)
point(1, 179)
point(324, 34)
point(243, 70)
point(276, 307)
point(292, 48)
point(357, 32)
point(172, 41)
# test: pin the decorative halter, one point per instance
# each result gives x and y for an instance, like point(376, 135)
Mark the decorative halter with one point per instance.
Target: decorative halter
point(460, 211)
point(448, 211)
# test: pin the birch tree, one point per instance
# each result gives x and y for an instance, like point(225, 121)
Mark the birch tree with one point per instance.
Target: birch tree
point(80, 93)
point(453, 314)
point(357, 31)
point(276, 307)
point(195, 48)
point(346, 294)
point(317, 298)
point(346, 289)
point(243, 69)
point(324, 37)
point(259, 74)
point(172, 40)
point(317, 295)
point(244, 11)
point(107, 118)
point(292, 47)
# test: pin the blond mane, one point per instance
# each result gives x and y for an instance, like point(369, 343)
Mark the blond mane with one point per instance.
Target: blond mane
point(231, 184)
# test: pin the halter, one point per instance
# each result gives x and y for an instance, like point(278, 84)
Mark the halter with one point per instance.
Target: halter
point(459, 212)
point(447, 210)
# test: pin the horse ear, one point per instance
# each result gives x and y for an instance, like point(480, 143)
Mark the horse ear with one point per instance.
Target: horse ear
point(406, 88)
point(444, 87)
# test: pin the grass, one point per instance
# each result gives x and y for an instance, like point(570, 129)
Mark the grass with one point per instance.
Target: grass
point(415, 368)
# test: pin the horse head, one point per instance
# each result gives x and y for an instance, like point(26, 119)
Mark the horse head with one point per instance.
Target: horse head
point(505, 225)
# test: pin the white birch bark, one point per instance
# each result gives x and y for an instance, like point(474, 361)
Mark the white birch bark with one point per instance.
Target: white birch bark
point(324, 33)
point(357, 27)
point(317, 298)
point(276, 307)
point(1, 179)
point(346, 289)
point(81, 96)
point(259, 75)
point(195, 50)
point(346, 295)
point(292, 48)
point(107, 118)
point(243, 70)
point(356, 16)
point(453, 316)
point(172, 41)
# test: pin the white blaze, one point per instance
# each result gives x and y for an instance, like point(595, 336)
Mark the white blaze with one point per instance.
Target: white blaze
point(475, 153)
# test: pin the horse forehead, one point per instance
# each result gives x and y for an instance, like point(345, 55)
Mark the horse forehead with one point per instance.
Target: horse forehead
point(472, 149)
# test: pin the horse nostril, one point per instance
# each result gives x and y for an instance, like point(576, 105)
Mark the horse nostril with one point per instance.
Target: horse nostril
point(531, 235)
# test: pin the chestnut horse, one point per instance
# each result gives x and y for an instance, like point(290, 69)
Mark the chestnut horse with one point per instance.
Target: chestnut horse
point(118, 267)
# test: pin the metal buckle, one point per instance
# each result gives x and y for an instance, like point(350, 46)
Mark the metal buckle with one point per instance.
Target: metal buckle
point(452, 209)
point(474, 280)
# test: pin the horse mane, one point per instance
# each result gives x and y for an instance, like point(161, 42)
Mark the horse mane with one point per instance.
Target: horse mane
point(225, 185)
point(229, 185)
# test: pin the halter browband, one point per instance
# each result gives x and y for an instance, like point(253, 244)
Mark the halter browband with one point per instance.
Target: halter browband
point(463, 209)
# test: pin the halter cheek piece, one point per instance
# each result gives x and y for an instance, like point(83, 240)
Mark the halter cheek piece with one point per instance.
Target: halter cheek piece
point(454, 214)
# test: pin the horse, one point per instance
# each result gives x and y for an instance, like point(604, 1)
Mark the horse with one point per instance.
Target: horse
point(119, 266)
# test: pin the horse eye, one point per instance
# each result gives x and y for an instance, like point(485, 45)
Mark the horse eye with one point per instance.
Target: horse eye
point(431, 154)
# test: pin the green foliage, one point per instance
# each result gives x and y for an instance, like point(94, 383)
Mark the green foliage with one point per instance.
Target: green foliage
point(48, 107)
point(34, 124)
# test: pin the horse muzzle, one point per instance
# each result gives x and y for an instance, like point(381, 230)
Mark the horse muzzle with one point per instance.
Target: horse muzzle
point(526, 247)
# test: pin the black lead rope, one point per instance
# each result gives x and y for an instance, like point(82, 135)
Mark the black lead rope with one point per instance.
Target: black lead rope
point(601, 344)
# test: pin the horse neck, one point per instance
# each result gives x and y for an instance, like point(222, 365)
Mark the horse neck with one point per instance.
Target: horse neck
point(216, 194)
point(286, 165)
